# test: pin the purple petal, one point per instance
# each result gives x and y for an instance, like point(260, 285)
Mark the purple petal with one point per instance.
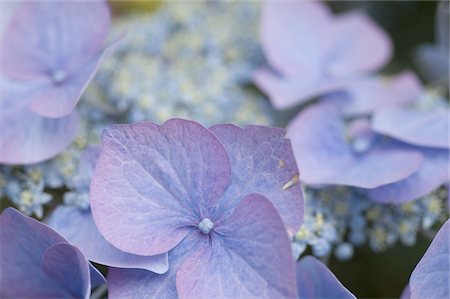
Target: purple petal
point(423, 128)
point(325, 156)
point(262, 162)
point(78, 227)
point(97, 277)
point(359, 45)
point(249, 257)
point(406, 293)
point(365, 95)
point(315, 280)
point(29, 138)
point(23, 245)
point(430, 279)
point(44, 37)
point(288, 42)
point(432, 174)
point(66, 265)
point(286, 92)
point(135, 283)
point(152, 182)
point(60, 99)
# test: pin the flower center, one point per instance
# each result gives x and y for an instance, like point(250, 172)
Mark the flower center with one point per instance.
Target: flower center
point(205, 226)
point(59, 76)
point(359, 135)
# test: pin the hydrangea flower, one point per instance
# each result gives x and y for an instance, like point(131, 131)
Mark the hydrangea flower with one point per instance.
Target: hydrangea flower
point(329, 151)
point(423, 130)
point(219, 200)
point(315, 280)
point(431, 277)
point(49, 52)
point(74, 221)
point(305, 63)
point(38, 263)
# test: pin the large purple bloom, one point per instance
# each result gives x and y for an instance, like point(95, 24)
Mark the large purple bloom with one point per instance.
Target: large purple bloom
point(38, 263)
point(315, 280)
point(425, 131)
point(211, 198)
point(77, 225)
point(49, 52)
point(311, 52)
point(331, 151)
point(431, 277)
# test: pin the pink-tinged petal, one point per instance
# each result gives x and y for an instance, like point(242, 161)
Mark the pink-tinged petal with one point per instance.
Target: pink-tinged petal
point(422, 128)
point(78, 227)
point(315, 280)
point(59, 99)
point(45, 37)
point(24, 244)
point(286, 92)
point(249, 257)
point(359, 45)
point(431, 277)
point(432, 174)
point(136, 283)
point(325, 156)
point(368, 94)
point(26, 137)
point(152, 182)
point(262, 162)
point(66, 265)
point(288, 41)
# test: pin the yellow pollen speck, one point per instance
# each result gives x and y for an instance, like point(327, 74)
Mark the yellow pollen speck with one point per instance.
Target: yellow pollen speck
point(373, 213)
point(301, 234)
point(280, 163)
point(319, 221)
point(36, 175)
point(435, 206)
point(295, 179)
point(408, 207)
point(403, 227)
point(26, 197)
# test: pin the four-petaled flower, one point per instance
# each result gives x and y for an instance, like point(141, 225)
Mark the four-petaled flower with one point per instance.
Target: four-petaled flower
point(219, 200)
point(49, 53)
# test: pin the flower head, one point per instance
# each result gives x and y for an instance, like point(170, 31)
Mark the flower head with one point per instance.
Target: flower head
point(331, 151)
point(312, 52)
point(212, 198)
point(48, 55)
